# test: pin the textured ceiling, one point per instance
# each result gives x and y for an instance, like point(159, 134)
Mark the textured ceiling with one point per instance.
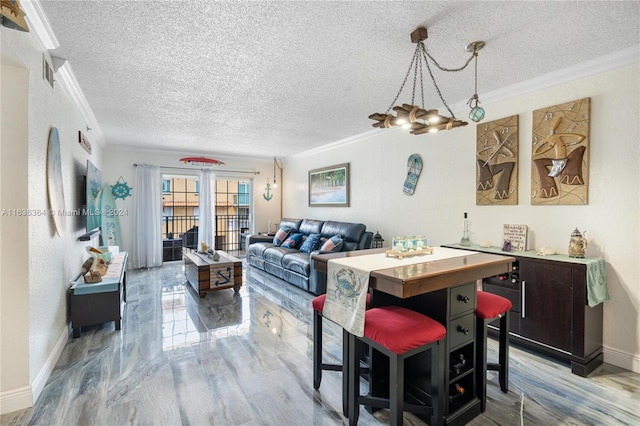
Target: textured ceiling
point(276, 78)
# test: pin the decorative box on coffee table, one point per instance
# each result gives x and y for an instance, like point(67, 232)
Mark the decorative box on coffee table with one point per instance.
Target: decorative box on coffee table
point(205, 274)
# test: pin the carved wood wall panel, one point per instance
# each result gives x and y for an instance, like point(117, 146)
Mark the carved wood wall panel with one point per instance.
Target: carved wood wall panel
point(497, 162)
point(560, 154)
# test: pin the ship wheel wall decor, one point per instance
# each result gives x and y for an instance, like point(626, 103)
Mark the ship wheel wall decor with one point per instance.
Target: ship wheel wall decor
point(560, 154)
point(121, 189)
point(497, 162)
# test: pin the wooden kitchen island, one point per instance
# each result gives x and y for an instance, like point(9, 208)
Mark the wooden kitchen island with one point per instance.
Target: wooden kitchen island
point(205, 274)
point(445, 290)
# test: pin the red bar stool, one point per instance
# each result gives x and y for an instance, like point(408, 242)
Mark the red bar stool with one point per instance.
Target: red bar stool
point(318, 365)
point(490, 307)
point(398, 333)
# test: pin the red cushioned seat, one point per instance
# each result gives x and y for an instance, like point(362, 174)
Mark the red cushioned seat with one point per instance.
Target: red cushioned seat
point(400, 329)
point(318, 302)
point(398, 333)
point(491, 305)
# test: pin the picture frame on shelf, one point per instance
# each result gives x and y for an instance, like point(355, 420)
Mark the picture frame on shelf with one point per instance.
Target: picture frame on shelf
point(329, 186)
point(514, 237)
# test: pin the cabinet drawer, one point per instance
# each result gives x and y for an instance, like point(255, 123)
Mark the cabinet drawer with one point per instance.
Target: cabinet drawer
point(461, 330)
point(463, 299)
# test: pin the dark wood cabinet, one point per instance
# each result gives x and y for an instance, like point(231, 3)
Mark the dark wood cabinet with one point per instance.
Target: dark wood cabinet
point(545, 314)
point(550, 312)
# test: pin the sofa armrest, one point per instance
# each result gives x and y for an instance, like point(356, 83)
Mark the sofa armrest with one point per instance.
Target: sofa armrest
point(255, 238)
point(365, 241)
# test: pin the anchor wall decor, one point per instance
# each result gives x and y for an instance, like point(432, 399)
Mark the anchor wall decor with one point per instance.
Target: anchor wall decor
point(268, 195)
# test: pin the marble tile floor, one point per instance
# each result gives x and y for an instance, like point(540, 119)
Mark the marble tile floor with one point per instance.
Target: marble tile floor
point(245, 359)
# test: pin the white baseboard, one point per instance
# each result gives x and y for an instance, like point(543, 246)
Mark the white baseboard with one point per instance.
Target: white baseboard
point(621, 359)
point(16, 399)
point(24, 397)
point(50, 363)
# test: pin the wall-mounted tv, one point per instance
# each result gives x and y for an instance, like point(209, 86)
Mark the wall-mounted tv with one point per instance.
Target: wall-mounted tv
point(79, 197)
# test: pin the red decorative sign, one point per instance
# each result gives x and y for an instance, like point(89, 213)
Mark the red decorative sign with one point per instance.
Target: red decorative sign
point(201, 161)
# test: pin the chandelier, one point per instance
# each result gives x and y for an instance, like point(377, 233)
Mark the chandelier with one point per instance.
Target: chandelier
point(12, 16)
point(416, 118)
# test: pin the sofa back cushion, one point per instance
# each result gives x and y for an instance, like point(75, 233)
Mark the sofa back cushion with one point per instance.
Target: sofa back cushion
point(292, 224)
point(310, 226)
point(351, 233)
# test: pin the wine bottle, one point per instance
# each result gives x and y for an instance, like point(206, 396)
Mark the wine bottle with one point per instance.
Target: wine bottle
point(465, 241)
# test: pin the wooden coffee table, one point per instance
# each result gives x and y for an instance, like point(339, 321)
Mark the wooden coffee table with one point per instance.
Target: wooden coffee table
point(205, 274)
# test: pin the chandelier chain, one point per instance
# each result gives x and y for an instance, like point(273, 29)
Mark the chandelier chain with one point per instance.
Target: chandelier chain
point(436, 84)
point(406, 76)
point(475, 80)
point(415, 78)
point(466, 64)
point(474, 98)
point(421, 84)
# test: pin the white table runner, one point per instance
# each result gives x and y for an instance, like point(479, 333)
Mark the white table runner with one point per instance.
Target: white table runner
point(348, 283)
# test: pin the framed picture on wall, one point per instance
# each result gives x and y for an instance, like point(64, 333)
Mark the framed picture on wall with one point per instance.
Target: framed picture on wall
point(329, 186)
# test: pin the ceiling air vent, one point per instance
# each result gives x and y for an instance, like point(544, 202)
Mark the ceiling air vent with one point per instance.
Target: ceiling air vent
point(47, 71)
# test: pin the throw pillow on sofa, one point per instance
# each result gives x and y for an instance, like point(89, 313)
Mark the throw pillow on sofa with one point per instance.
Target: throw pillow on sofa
point(281, 236)
point(332, 244)
point(311, 243)
point(293, 241)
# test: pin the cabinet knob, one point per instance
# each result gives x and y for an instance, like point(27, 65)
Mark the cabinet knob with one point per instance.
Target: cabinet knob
point(463, 330)
point(464, 299)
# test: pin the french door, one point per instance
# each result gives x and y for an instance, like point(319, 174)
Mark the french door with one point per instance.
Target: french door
point(180, 214)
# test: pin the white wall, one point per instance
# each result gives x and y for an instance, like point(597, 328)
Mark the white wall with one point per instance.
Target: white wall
point(51, 261)
point(14, 247)
point(119, 162)
point(446, 189)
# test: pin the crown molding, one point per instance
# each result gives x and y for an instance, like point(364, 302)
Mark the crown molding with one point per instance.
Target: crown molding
point(39, 24)
point(609, 62)
point(343, 142)
point(67, 80)
point(41, 29)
